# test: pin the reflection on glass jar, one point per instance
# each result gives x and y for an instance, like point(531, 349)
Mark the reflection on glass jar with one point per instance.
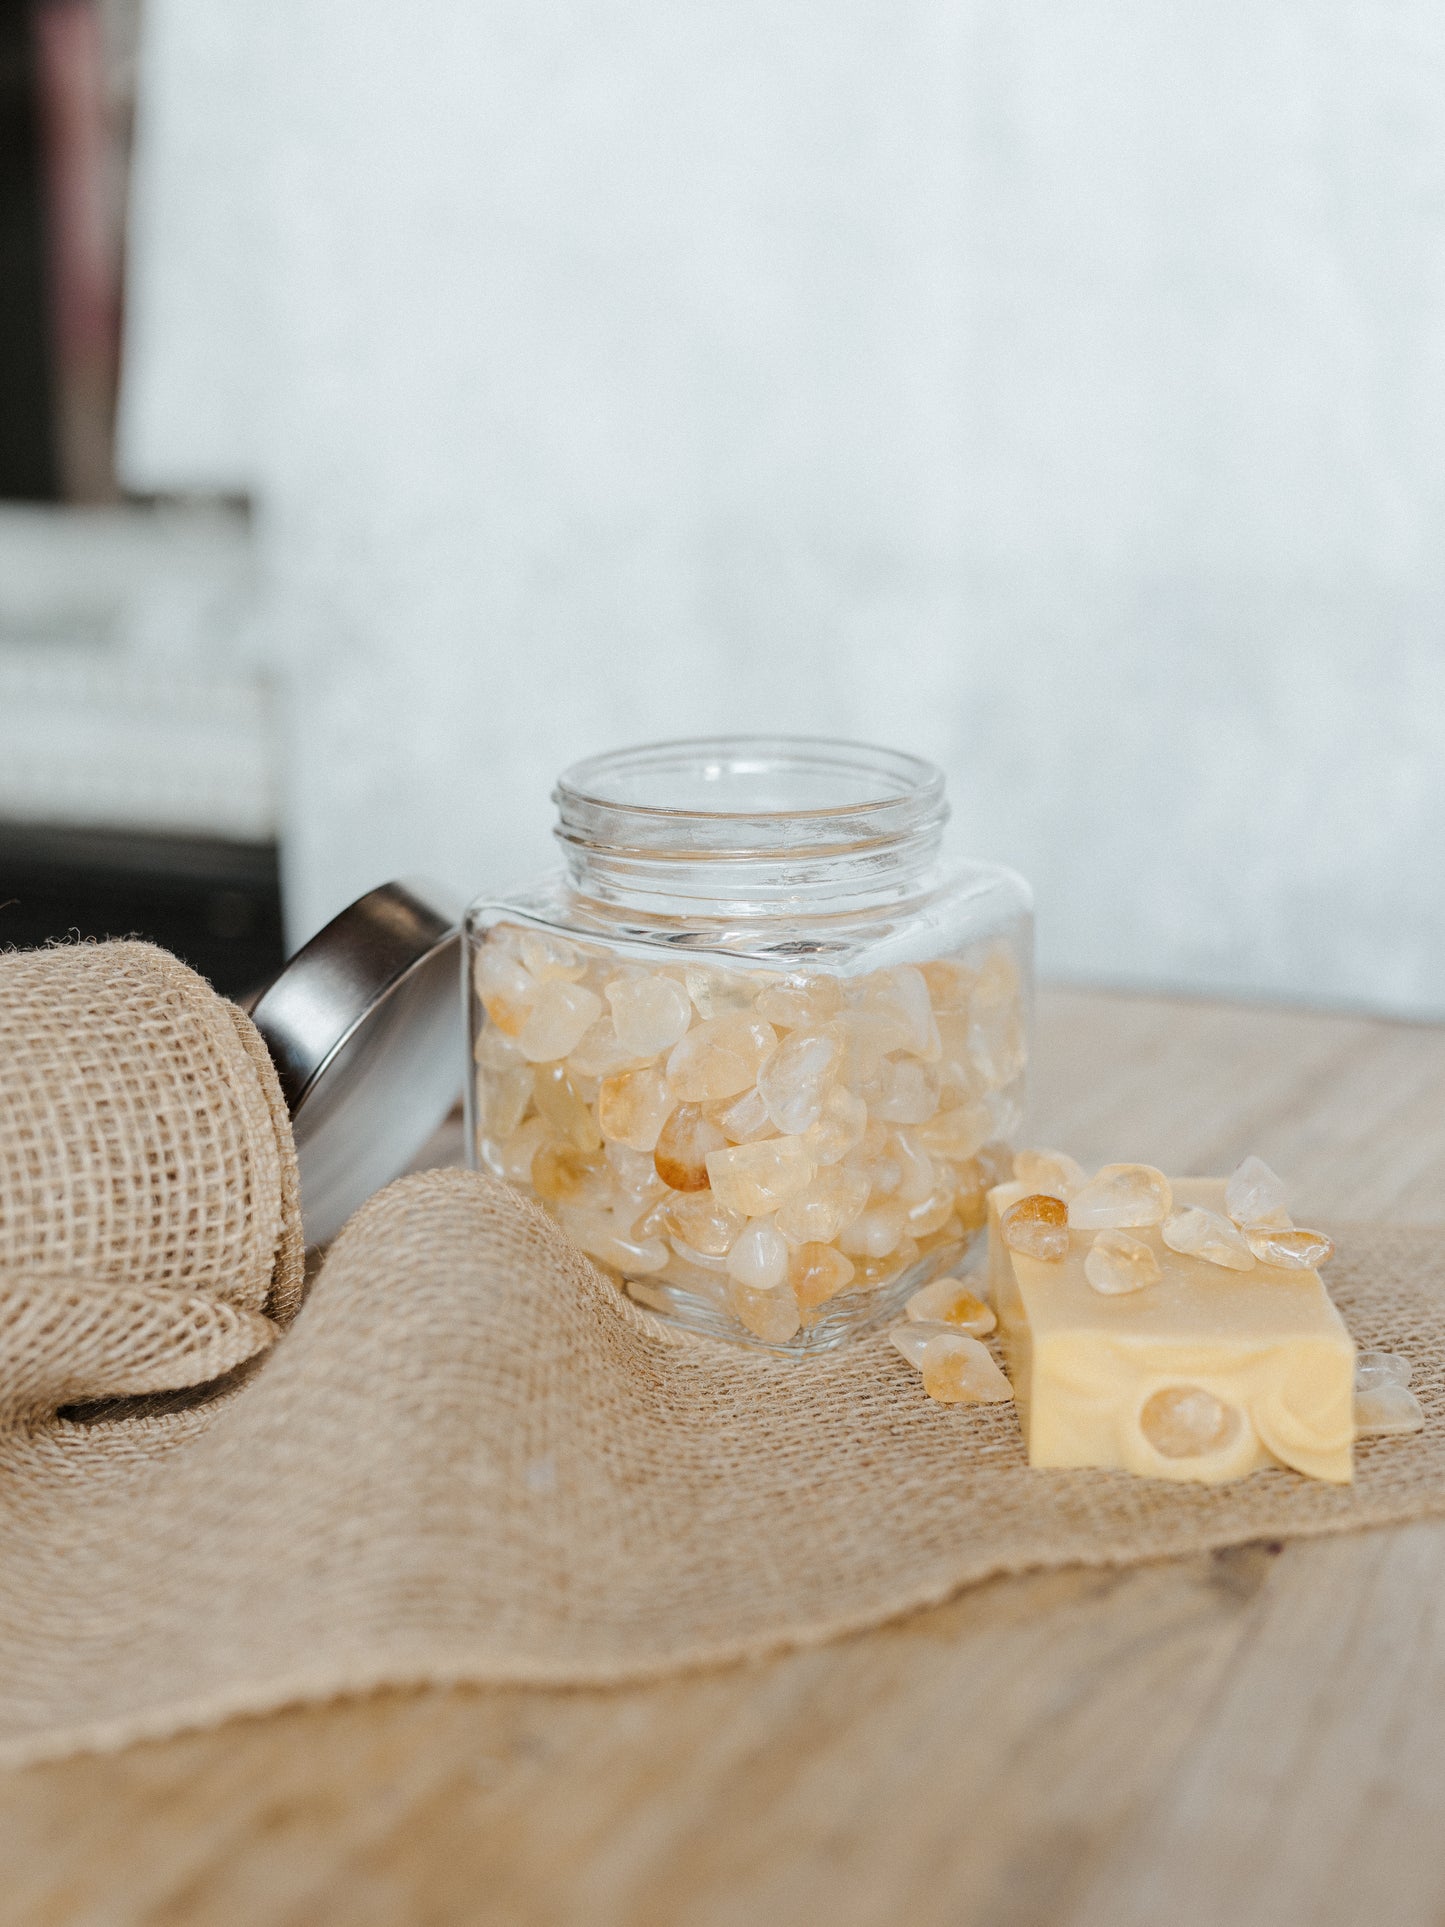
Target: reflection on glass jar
point(758, 1048)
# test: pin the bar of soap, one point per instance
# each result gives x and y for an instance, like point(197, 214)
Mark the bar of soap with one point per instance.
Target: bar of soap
point(1205, 1375)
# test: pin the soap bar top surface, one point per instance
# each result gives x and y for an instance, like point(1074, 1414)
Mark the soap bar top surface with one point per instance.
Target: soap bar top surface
point(1267, 1342)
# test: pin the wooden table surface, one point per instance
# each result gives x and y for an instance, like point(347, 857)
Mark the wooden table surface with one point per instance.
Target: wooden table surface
point(1256, 1736)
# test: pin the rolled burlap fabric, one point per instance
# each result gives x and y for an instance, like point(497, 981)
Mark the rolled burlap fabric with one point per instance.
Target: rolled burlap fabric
point(150, 1232)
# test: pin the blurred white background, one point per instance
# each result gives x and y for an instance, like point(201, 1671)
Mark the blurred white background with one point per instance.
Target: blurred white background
point(1055, 390)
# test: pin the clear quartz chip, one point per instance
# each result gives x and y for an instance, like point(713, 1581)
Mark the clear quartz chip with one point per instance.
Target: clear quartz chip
point(1037, 1226)
point(795, 1079)
point(1373, 1369)
point(1187, 1422)
point(1121, 1196)
point(1387, 1409)
point(759, 1258)
point(1292, 1250)
point(1197, 1233)
point(1116, 1263)
point(1054, 1173)
point(1255, 1196)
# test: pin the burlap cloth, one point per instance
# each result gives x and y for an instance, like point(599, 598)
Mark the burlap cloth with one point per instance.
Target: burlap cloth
point(469, 1459)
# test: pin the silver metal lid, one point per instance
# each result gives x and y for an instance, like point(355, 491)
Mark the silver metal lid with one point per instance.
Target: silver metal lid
point(365, 1027)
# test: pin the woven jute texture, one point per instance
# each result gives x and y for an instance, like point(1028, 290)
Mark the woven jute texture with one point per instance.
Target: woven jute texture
point(471, 1459)
point(149, 1230)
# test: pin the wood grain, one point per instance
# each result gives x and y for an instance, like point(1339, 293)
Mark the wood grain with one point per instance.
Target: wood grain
point(1253, 1737)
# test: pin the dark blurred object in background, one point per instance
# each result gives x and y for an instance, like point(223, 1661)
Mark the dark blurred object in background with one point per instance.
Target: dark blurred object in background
point(67, 81)
point(215, 903)
point(29, 469)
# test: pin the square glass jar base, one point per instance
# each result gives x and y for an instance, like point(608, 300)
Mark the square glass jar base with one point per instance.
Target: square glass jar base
point(852, 1314)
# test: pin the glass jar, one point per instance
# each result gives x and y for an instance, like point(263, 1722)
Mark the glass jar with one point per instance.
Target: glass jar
point(757, 1047)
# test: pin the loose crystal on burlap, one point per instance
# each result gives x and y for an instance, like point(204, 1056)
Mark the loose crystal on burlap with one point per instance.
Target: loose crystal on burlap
point(1197, 1233)
point(1255, 1196)
point(1384, 1403)
point(949, 1301)
point(1387, 1410)
point(1038, 1226)
point(1117, 1263)
point(957, 1369)
point(1121, 1197)
point(1373, 1369)
point(1292, 1250)
point(1187, 1422)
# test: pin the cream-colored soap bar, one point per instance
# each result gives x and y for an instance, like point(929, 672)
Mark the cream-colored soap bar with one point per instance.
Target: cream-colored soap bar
point(1267, 1344)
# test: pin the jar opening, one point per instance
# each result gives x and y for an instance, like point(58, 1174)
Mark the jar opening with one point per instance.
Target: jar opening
point(740, 795)
point(749, 819)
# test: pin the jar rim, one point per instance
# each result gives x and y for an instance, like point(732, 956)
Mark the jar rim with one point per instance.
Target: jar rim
point(874, 787)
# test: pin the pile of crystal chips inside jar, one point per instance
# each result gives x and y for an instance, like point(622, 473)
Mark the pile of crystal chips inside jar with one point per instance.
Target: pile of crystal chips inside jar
point(766, 1141)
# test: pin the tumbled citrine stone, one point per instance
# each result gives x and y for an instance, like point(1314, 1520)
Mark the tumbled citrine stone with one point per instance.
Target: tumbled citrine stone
point(558, 1101)
point(772, 1316)
point(682, 1148)
point(633, 1106)
point(650, 1012)
point(506, 989)
point(1117, 1263)
point(796, 1077)
point(720, 1056)
point(1292, 1250)
point(1121, 1197)
point(1038, 1226)
point(1052, 1172)
point(757, 1178)
point(949, 1301)
point(561, 1014)
point(561, 1173)
point(1197, 1233)
point(703, 1222)
point(830, 1201)
point(818, 1272)
point(957, 1369)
